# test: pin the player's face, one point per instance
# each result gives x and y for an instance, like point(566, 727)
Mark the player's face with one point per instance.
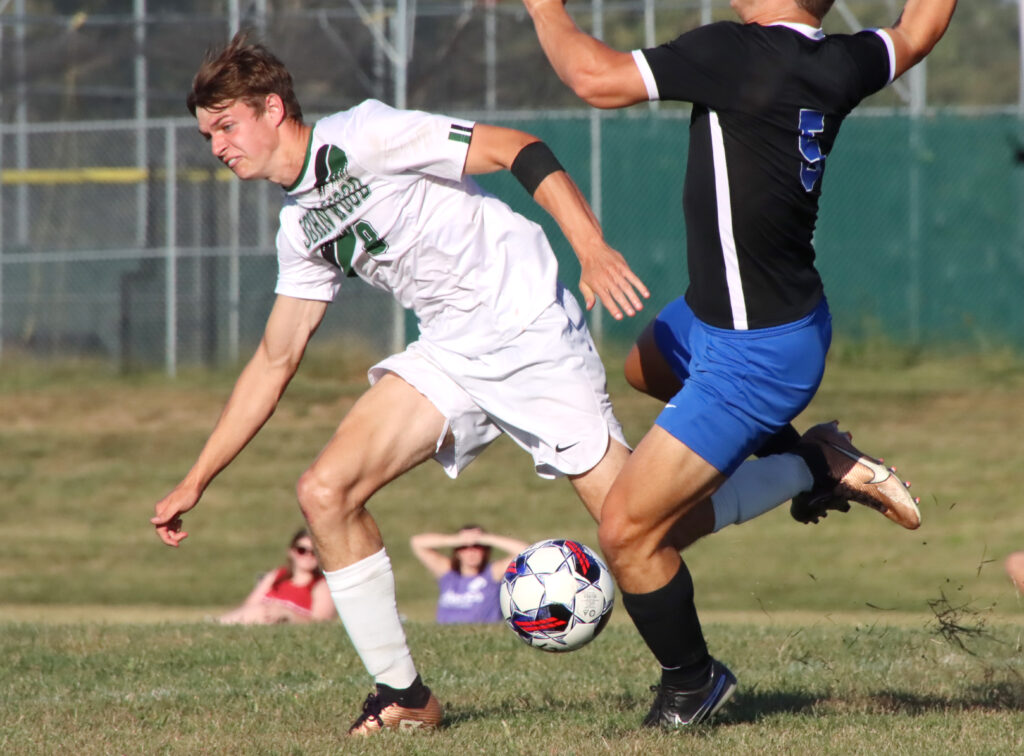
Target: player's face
point(241, 138)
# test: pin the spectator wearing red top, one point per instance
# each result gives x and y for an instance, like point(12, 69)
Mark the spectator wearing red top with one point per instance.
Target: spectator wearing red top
point(295, 592)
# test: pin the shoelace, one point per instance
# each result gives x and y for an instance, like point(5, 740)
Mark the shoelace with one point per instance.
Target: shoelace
point(371, 710)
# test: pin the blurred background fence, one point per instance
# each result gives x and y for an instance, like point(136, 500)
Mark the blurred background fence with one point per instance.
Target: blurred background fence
point(122, 238)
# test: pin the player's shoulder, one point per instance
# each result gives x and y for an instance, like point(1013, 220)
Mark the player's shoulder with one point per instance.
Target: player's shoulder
point(872, 37)
point(870, 51)
point(710, 33)
point(351, 116)
point(352, 130)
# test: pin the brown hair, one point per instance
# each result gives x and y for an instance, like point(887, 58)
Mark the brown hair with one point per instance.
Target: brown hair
point(817, 8)
point(242, 71)
point(456, 563)
point(289, 573)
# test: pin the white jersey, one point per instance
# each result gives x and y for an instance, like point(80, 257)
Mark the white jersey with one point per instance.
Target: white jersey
point(382, 196)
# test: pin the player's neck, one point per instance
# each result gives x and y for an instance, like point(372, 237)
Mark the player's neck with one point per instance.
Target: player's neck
point(291, 152)
point(770, 12)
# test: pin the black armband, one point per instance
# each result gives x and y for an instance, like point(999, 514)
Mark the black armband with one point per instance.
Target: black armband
point(534, 163)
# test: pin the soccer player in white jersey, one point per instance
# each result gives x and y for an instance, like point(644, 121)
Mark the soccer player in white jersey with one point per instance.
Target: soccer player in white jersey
point(385, 195)
point(743, 351)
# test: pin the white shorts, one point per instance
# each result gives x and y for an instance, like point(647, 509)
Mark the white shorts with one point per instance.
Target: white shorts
point(545, 388)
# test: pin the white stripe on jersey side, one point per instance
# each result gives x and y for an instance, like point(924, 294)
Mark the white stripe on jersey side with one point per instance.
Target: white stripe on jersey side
point(891, 49)
point(725, 231)
point(646, 74)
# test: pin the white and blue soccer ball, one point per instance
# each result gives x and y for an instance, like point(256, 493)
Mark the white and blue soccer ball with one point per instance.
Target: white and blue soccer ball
point(557, 595)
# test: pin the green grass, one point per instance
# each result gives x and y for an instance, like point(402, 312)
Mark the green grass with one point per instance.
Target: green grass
point(84, 458)
point(186, 689)
point(835, 630)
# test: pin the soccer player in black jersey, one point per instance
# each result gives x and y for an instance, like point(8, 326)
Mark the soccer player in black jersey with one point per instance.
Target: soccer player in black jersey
point(742, 353)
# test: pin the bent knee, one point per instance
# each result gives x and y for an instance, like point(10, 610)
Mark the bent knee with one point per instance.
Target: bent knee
point(318, 498)
point(617, 533)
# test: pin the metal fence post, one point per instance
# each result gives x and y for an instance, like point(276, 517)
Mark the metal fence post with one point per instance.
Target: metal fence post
point(918, 101)
point(171, 251)
point(2, 135)
point(234, 267)
point(596, 187)
point(400, 32)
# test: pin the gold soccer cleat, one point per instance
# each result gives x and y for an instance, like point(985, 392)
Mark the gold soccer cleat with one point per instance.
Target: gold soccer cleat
point(861, 478)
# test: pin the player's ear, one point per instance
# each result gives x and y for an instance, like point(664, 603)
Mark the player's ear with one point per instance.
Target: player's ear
point(274, 106)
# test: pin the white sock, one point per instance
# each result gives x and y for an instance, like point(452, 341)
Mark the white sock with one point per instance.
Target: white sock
point(364, 595)
point(758, 486)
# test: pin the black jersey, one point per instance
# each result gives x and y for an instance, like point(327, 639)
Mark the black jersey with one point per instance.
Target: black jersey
point(768, 103)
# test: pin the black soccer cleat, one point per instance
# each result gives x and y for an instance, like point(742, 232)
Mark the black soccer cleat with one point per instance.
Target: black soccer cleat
point(811, 506)
point(674, 707)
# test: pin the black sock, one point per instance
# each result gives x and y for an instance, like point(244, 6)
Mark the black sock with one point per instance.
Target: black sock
point(413, 697)
point(817, 464)
point(781, 442)
point(668, 623)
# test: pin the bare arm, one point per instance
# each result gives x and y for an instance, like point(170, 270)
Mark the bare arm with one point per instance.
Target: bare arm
point(919, 28)
point(252, 402)
point(248, 610)
point(511, 546)
point(425, 546)
point(323, 605)
point(262, 589)
point(599, 75)
point(604, 271)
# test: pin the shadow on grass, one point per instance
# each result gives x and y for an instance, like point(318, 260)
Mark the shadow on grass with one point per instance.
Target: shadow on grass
point(751, 706)
point(748, 707)
point(997, 696)
point(993, 697)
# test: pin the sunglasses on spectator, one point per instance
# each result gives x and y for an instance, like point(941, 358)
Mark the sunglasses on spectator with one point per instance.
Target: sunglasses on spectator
point(303, 550)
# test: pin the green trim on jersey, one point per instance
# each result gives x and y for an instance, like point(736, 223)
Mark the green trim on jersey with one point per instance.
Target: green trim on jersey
point(460, 133)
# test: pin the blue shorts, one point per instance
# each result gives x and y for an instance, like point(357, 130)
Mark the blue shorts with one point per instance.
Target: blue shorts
point(739, 387)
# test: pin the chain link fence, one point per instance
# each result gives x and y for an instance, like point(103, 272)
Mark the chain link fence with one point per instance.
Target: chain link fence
point(121, 238)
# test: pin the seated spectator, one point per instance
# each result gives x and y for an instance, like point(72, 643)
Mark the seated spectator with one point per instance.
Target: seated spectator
point(468, 579)
point(296, 592)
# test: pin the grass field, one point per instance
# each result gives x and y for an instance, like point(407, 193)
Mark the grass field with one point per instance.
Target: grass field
point(852, 636)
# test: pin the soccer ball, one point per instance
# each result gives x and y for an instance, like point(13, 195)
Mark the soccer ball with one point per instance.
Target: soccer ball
point(557, 595)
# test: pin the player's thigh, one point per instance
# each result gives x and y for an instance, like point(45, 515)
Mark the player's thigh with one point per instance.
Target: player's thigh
point(469, 429)
point(646, 368)
point(662, 480)
point(592, 486)
point(389, 430)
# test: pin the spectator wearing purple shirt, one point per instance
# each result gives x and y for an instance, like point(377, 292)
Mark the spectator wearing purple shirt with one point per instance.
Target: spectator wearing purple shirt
point(468, 578)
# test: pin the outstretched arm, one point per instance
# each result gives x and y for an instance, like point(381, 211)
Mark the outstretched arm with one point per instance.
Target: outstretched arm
point(919, 28)
point(425, 546)
point(252, 402)
point(601, 76)
point(511, 546)
point(604, 271)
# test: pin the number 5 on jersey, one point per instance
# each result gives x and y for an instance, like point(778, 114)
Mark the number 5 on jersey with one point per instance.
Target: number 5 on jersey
point(812, 123)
